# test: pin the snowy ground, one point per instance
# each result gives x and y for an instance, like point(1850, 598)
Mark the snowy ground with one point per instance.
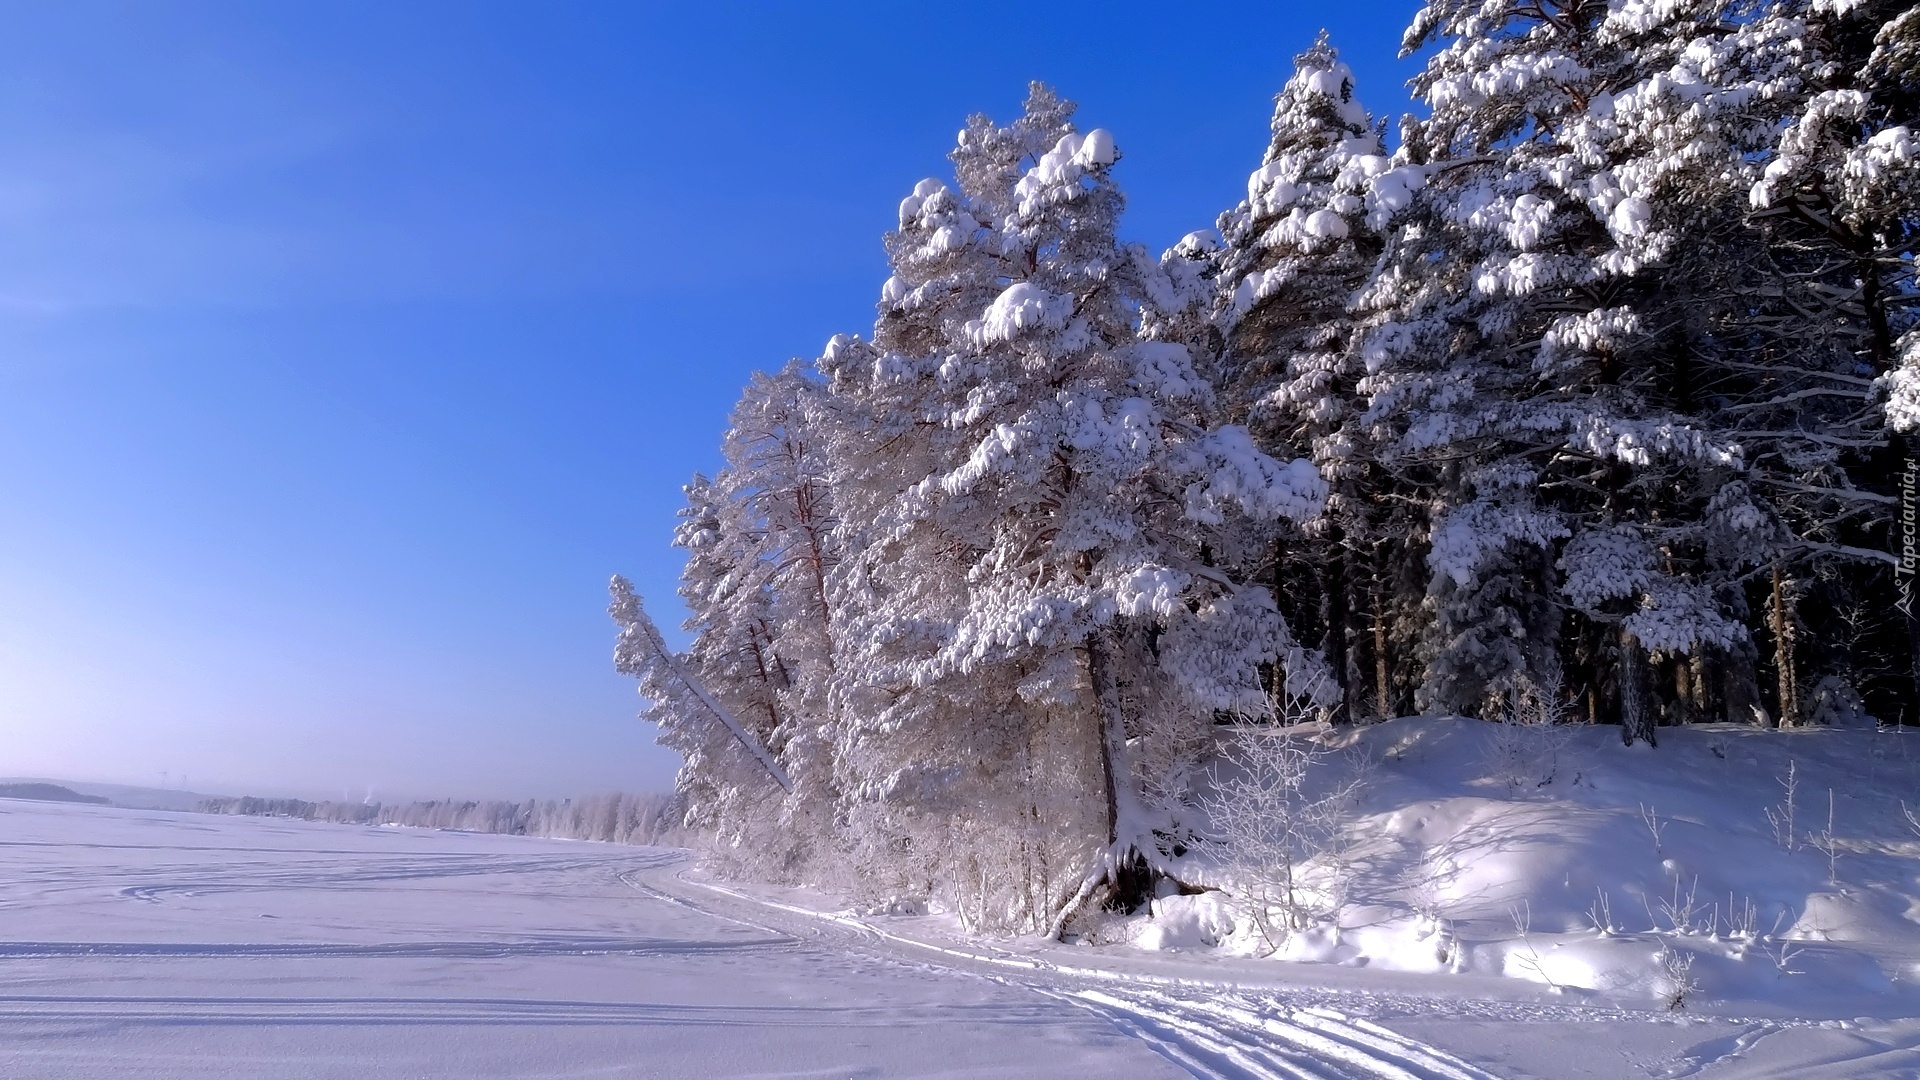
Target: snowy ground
point(173, 945)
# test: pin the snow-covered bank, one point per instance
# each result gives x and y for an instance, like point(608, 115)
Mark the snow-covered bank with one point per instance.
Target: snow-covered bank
point(1731, 863)
point(1231, 1016)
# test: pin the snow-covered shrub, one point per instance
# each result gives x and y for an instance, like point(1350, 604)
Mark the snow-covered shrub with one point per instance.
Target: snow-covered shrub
point(1267, 824)
point(1527, 738)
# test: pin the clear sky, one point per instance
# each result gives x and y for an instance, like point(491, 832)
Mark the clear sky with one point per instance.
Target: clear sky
point(347, 348)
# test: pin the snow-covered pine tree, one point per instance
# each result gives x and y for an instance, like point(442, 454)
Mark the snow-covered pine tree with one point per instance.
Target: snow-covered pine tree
point(760, 543)
point(1510, 357)
point(955, 786)
point(777, 489)
point(1671, 138)
point(1076, 498)
point(728, 780)
point(1292, 257)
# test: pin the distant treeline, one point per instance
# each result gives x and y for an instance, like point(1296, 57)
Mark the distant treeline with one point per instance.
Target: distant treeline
point(621, 818)
point(47, 793)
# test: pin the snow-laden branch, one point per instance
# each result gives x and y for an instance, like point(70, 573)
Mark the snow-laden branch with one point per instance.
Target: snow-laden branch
point(643, 653)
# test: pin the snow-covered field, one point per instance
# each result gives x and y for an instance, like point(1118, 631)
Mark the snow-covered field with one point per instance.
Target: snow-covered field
point(174, 945)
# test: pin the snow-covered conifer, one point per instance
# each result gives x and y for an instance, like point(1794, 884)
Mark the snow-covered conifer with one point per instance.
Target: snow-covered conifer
point(760, 543)
point(1075, 496)
point(1294, 254)
point(1511, 354)
point(1830, 329)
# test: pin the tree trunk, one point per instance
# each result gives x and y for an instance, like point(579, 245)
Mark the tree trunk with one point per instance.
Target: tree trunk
point(1382, 670)
point(1334, 599)
point(1279, 590)
point(1636, 718)
point(1789, 700)
point(1123, 877)
point(1106, 697)
point(1382, 666)
point(1702, 698)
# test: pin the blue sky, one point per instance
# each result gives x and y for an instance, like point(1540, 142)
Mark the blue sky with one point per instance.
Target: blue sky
point(346, 349)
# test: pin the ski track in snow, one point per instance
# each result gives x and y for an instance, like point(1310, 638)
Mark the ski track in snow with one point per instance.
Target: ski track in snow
point(1231, 1039)
point(1717, 1051)
point(1218, 1036)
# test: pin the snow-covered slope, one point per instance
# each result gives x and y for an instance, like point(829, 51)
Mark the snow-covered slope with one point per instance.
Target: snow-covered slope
point(1560, 857)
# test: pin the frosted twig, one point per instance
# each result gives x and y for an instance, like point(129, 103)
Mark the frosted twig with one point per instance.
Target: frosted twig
point(1654, 825)
point(1825, 843)
point(1522, 922)
point(1743, 921)
point(1677, 966)
point(1601, 913)
point(1683, 912)
point(1781, 818)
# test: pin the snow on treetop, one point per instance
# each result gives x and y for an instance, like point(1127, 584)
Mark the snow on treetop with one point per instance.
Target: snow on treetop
point(1155, 590)
point(1606, 564)
point(1389, 188)
point(1466, 536)
point(1335, 83)
point(1096, 148)
point(1267, 193)
point(1063, 166)
point(1902, 386)
point(1166, 371)
point(1300, 229)
point(1514, 74)
point(924, 190)
point(1613, 564)
point(1573, 337)
point(1198, 242)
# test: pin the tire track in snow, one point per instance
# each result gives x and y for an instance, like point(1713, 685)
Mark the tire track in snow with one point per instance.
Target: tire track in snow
point(1223, 1036)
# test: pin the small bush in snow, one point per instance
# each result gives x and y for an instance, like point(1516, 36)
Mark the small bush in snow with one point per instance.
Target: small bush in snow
point(1677, 982)
point(1267, 827)
point(1528, 739)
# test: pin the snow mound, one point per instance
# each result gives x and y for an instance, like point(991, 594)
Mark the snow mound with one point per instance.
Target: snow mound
point(1187, 922)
